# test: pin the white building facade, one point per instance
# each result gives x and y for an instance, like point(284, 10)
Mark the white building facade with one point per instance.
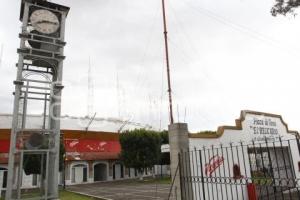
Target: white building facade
point(258, 158)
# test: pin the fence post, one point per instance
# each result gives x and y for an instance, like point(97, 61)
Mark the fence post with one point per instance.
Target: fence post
point(178, 140)
point(202, 175)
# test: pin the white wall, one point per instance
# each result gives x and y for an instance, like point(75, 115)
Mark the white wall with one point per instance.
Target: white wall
point(162, 169)
point(254, 128)
point(27, 180)
point(117, 171)
point(79, 174)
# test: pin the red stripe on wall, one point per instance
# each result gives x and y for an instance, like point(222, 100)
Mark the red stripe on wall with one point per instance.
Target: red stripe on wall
point(79, 145)
point(4, 146)
point(87, 145)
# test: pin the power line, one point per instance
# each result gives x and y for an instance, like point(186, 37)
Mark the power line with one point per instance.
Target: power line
point(241, 28)
point(140, 80)
point(161, 96)
point(142, 75)
point(183, 30)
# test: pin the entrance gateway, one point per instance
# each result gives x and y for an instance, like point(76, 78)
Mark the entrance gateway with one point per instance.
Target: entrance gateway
point(258, 158)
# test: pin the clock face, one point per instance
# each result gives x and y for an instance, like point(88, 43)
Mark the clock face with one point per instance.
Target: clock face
point(44, 21)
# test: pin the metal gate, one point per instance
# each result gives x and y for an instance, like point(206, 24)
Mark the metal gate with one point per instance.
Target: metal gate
point(262, 170)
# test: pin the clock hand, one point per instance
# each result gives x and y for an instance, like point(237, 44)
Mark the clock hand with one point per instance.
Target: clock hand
point(48, 22)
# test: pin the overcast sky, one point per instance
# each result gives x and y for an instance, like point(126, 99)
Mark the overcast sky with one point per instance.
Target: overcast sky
point(225, 56)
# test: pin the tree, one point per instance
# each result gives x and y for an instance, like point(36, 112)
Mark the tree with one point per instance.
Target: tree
point(164, 135)
point(284, 7)
point(140, 148)
point(164, 158)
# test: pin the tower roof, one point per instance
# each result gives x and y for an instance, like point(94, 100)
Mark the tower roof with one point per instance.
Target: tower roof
point(43, 3)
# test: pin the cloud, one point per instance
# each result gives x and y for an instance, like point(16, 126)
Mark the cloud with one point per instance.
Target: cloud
point(224, 56)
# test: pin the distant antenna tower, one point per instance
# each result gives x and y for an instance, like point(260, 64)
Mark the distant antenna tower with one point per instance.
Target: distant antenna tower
point(118, 96)
point(1, 55)
point(90, 99)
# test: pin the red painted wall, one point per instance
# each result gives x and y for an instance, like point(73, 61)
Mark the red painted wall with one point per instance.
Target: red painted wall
point(4, 146)
point(88, 145)
point(79, 145)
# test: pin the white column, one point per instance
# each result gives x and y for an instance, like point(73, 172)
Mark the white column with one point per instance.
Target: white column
point(178, 140)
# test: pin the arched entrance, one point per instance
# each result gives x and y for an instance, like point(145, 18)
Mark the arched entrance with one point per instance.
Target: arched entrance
point(100, 172)
point(79, 173)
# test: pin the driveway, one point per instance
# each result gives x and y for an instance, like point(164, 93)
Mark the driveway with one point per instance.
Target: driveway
point(123, 190)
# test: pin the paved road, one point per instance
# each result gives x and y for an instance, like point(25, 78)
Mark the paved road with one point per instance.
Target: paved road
point(123, 190)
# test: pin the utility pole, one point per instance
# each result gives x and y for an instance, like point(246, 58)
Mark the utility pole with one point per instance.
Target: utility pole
point(167, 62)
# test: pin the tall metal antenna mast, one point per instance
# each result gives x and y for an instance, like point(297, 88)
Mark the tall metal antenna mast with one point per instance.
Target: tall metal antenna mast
point(167, 62)
point(118, 96)
point(90, 91)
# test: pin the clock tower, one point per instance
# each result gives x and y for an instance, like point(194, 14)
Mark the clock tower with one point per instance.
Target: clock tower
point(35, 145)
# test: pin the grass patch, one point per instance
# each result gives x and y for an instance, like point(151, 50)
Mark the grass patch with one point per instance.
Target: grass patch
point(66, 195)
point(262, 181)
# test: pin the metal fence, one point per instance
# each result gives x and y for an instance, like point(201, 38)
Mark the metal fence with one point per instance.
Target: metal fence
point(253, 170)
